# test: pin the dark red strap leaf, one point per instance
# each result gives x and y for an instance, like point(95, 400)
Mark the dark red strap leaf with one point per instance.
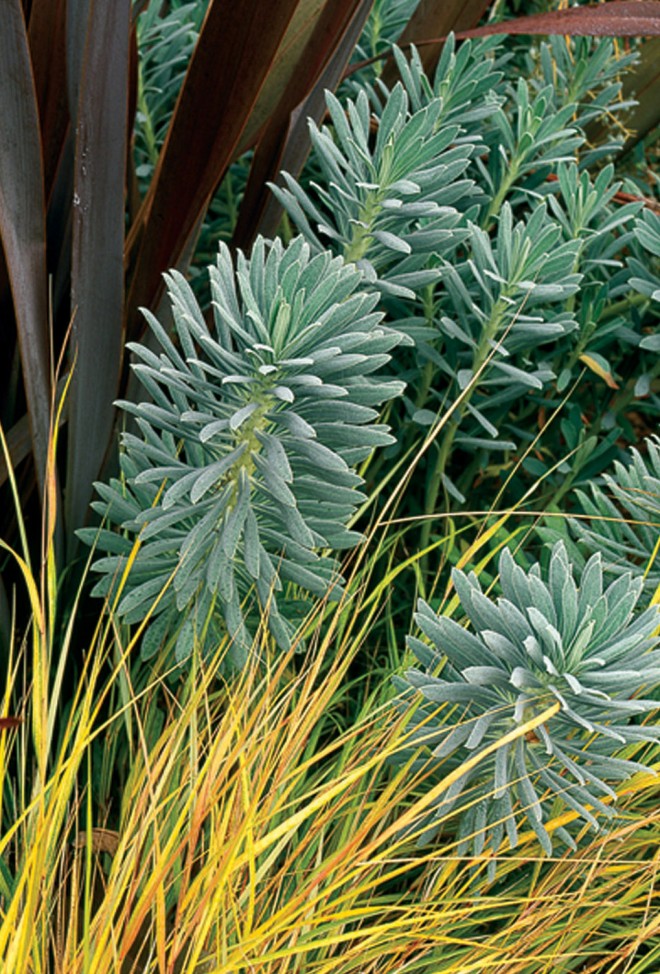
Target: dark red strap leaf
point(6, 723)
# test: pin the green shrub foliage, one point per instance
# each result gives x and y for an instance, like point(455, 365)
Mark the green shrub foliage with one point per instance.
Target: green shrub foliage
point(241, 475)
point(647, 270)
point(456, 216)
point(548, 638)
point(467, 200)
point(620, 518)
point(166, 39)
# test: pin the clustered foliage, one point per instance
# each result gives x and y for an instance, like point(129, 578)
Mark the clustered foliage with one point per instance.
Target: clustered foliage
point(457, 220)
point(243, 470)
point(428, 410)
point(620, 518)
point(166, 42)
point(495, 249)
point(545, 640)
point(647, 271)
point(166, 39)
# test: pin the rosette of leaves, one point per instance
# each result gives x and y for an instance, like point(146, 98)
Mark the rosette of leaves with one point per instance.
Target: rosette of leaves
point(620, 518)
point(551, 638)
point(499, 310)
point(583, 208)
point(479, 309)
point(646, 269)
point(241, 474)
point(389, 155)
point(563, 87)
point(390, 189)
point(587, 72)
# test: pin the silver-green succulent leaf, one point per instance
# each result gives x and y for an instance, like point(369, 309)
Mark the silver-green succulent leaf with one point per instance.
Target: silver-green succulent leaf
point(587, 72)
point(646, 268)
point(240, 479)
point(550, 638)
point(619, 517)
point(389, 202)
point(464, 197)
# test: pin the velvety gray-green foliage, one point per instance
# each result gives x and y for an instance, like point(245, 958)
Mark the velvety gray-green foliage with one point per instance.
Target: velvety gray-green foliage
point(646, 271)
point(166, 40)
point(550, 638)
point(241, 473)
point(468, 202)
point(393, 201)
point(620, 518)
point(384, 25)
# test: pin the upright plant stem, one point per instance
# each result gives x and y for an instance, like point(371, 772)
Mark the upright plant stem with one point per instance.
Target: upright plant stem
point(483, 350)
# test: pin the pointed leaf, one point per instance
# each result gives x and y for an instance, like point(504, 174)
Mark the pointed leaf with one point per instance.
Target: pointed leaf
point(285, 142)
point(97, 271)
point(598, 365)
point(233, 56)
point(22, 221)
point(432, 19)
point(640, 83)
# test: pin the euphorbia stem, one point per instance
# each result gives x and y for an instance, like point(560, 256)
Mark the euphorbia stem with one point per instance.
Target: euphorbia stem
point(481, 354)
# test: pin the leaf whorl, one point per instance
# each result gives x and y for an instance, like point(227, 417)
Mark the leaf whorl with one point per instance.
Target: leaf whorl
point(242, 472)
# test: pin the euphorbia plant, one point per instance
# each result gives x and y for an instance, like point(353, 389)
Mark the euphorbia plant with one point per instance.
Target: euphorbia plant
point(243, 470)
point(558, 637)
